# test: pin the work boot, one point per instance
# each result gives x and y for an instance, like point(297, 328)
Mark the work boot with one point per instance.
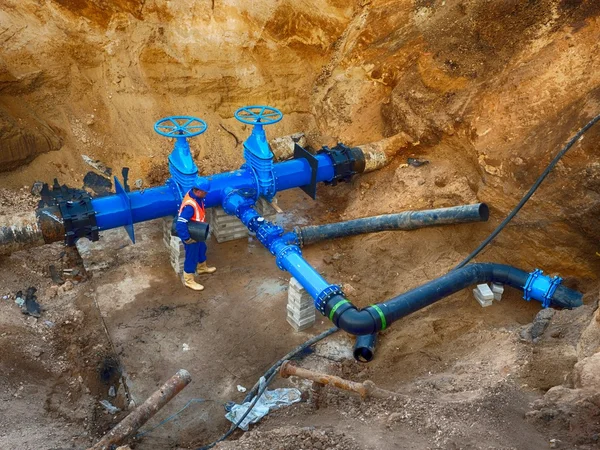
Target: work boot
point(188, 281)
point(203, 268)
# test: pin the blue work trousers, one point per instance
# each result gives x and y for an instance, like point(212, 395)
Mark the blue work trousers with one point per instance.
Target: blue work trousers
point(194, 254)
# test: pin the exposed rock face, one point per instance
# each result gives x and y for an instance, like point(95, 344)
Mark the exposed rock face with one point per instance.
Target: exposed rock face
point(570, 348)
point(500, 89)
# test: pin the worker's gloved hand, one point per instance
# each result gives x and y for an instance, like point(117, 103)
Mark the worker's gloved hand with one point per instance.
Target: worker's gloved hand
point(189, 241)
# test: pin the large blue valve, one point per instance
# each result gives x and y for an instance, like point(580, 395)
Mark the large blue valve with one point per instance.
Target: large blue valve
point(181, 164)
point(258, 115)
point(258, 154)
point(180, 126)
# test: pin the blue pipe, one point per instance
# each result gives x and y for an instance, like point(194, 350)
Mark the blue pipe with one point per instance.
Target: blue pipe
point(114, 211)
point(288, 256)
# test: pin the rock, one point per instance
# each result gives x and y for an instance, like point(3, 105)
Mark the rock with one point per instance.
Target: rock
point(52, 291)
point(541, 322)
point(68, 286)
point(36, 188)
point(348, 289)
point(394, 417)
point(586, 373)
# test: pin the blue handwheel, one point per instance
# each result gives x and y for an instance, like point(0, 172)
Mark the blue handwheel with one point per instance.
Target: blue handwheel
point(180, 126)
point(258, 115)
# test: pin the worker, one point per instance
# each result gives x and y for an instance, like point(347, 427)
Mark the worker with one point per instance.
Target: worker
point(192, 209)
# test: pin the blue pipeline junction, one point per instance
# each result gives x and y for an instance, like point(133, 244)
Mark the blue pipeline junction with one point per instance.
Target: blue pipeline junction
point(237, 193)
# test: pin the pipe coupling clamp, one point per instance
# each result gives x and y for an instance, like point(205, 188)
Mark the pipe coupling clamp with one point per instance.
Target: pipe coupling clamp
point(326, 294)
point(540, 287)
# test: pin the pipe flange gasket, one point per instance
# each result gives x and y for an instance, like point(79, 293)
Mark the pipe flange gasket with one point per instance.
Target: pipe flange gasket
point(284, 252)
point(326, 295)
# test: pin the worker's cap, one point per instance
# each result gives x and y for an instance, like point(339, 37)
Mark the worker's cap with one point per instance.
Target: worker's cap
point(203, 184)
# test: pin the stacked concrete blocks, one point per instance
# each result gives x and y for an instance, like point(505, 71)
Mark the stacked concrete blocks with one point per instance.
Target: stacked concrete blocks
point(228, 228)
point(174, 244)
point(300, 307)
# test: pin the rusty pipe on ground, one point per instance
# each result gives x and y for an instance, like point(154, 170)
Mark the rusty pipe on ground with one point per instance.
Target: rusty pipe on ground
point(138, 417)
point(30, 229)
point(380, 153)
point(366, 389)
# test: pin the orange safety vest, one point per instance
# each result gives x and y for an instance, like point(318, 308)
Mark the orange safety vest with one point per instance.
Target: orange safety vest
point(199, 211)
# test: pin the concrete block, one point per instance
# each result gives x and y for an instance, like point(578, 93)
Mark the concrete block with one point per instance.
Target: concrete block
point(498, 290)
point(300, 312)
point(484, 295)
point(300, 307)
point(300, 326)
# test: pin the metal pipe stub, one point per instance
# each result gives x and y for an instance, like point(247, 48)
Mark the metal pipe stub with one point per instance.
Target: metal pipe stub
point(366, 389)
point(133, 422)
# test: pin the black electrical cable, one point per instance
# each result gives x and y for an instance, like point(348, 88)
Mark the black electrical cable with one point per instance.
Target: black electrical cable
point(290, 355)
point(544, 174)
point(239, 422)
point(269, 376)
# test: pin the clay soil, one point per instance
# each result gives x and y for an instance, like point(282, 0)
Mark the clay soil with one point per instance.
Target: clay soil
point(487, 91)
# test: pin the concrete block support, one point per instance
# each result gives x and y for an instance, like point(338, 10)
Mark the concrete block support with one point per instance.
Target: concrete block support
point(300, 307)
point(175, 246)
point(228, 228)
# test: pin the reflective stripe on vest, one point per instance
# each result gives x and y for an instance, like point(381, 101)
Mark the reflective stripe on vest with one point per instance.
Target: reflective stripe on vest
point(199, 211)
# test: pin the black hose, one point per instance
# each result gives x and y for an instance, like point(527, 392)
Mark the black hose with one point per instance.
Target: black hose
point(239, 422)
point(269, 375)
point(377, 317)
point(408, 220)
point(290, 355)
point(527, 196)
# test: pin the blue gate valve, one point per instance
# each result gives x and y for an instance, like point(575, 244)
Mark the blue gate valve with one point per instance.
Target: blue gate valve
point(258, 154)
point(181, 164)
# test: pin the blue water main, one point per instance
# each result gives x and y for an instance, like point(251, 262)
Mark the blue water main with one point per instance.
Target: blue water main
point(237, 192)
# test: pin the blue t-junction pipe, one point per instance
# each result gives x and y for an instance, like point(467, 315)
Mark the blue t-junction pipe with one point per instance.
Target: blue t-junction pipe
point(114, 211)
point(332, 303)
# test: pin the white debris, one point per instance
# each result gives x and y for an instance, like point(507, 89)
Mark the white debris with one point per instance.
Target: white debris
point(268, 401)
point(241, 388)
point(109, 407)
point(185, 347)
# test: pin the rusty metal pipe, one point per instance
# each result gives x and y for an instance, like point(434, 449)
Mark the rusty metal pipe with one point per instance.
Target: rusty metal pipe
point(30, 229)
point(130, 424)
point(366, 389)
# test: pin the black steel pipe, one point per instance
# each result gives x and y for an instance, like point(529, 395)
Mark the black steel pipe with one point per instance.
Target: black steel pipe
point(198, 230)
point(408, 220)
point(364, 347)
point(346, 316)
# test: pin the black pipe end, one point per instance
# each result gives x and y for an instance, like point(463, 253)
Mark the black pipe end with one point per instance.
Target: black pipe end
point(364, 348)
point(484, 212)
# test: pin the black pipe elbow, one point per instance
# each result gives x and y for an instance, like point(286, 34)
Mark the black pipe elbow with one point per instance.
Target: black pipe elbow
point(346, 316)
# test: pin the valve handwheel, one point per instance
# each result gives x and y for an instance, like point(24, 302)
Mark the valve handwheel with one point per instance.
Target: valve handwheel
point(258, 115)
point(180, 126)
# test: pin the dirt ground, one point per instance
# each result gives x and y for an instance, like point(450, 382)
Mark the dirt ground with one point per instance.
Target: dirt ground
point(488, 92)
